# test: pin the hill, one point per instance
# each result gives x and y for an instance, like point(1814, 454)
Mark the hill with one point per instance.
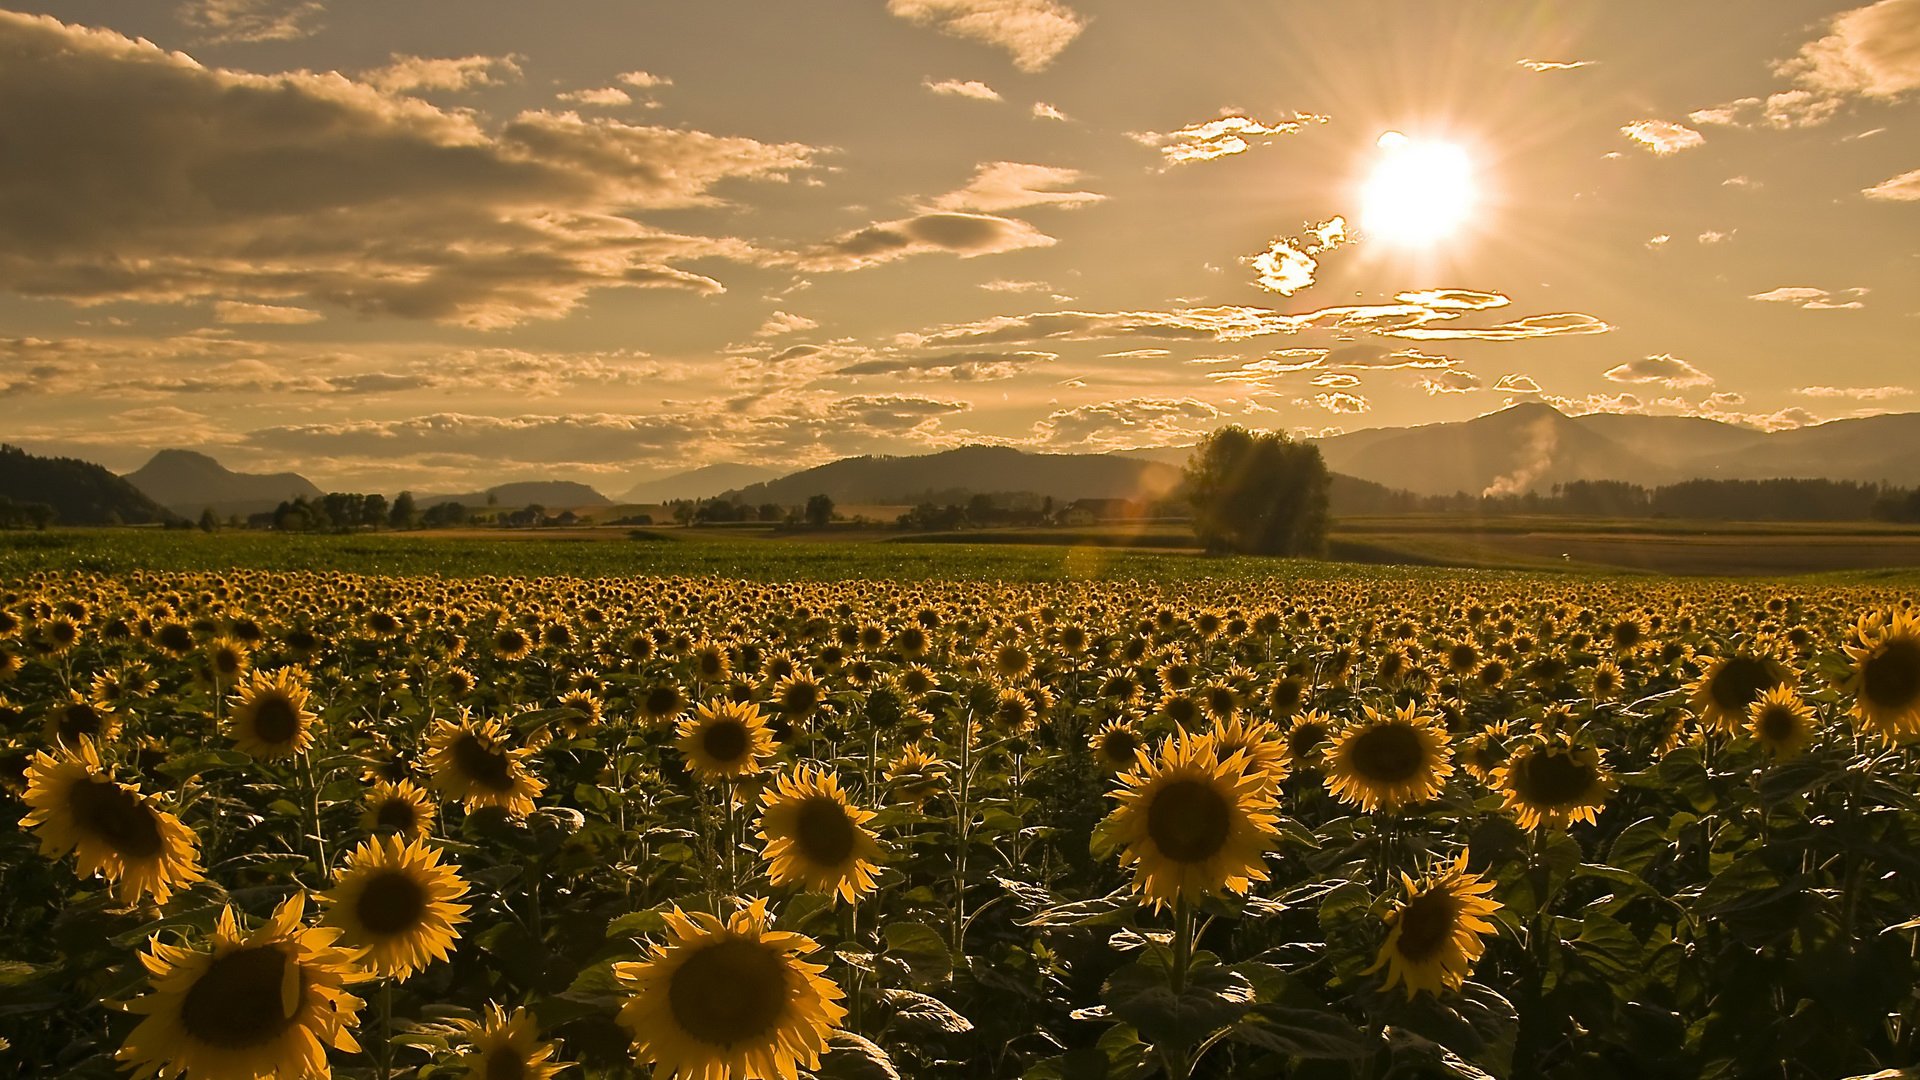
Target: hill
point(186, 483)
point(1532, 447)
point(969, 468)
point(80, 492)
point(702, 483)
point(552, 494)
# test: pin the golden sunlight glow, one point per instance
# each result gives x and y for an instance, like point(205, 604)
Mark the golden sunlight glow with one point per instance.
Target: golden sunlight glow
point(1418, 193)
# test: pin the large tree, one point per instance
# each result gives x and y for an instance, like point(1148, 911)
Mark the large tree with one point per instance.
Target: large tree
point(1258, 493)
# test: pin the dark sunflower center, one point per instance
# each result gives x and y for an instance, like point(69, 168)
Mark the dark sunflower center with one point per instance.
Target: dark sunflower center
point(823, 831)
point(1544, 779)
point(79, 719)
point(1740, 682)
point(485, 765)
point(398, 814)
point(1119, 745)
point(1287, 694)
point(1777, 723)
point(392, 902)
point(1427, 923)
point(1188, 820)
point(663, 701)
point(503, 1063)
point(240, 1002)
point(275, 720)
point(801, 697)
point(1302, 739)
point(1388, 753)
point(1180, 709)
point(1891, 677)
point(725, 741)
point(116, 815)
point(729, 992)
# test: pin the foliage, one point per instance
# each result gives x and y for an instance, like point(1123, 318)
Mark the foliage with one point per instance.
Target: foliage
point(78, 492)
point(1262, 494)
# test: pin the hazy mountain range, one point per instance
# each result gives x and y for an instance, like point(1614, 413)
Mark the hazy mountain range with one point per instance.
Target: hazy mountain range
point(1526, 447)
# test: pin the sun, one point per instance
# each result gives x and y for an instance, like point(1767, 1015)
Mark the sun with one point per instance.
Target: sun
point(1419, 192)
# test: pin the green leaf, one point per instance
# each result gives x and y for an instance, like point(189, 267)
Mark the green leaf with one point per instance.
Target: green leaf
point(1302, 1033)
point(1112, 909)
point(637, 924)
point(918, 1008)
point(855, 1057)
point(922, 949)
point(1141, 993)
point(1639, 846)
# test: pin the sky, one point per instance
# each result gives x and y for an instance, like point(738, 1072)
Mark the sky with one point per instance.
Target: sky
point(443, 243)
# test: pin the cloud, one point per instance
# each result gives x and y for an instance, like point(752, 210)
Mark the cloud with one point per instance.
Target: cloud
point(1714, 236)
point(224, 22)
point(232, 311)
point(1811, 299)
point(319, 188)
point(978, 91)
point(1044, 111)
point(1450, 381)
point(645, 80)
point(1857, 393)
point(1516, 384)
point(1224, 137)
point(1127, 424)
point(1902, 188)
point(1335, 380)
point(1454, 299)
point(781, 322)
point(1338, 402)
point(1872, 50)
point(1555, 65)
point(953, 367)
point(1564, 324)
point(1033, 32)
point(1288, 265)
point(1010, 185)
point(1655, 243)
point(1783, 111)
point(1663, 137)
point(965, 235)
point(605, 97)
point(412, 74)
point(1008, 285)
point(1669, 371)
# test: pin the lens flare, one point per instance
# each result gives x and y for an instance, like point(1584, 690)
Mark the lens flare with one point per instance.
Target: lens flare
point(1419, 193)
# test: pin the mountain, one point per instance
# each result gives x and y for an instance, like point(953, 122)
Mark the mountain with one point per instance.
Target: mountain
point(187, 483)
point(80, 492)
point(975, 469)
point(552, 494)
point(1533, 446)
point(702, 483)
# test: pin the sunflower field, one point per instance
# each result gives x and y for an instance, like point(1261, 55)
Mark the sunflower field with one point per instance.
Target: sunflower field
point(309, 824)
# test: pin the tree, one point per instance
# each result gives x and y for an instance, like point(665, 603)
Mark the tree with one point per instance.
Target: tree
point(209, 521)
point(819, 510)
point(404, 514)
point(1258, 493)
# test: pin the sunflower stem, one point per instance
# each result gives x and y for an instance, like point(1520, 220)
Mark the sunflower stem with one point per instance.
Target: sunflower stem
point(386, 1029)
point(313, 811)
point(1182, 943)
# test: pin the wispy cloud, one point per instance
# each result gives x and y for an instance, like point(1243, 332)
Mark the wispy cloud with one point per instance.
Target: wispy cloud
point(1812, 299)
point(1902, 188)
point(1224, 137)
point(1872, 50)
point(1033, 32)
point(1555, 65)
point(229, 21)
point(1011, 185)
point(412, 74)
point(1663, 137)
point(1667, 370)
point(968, 88)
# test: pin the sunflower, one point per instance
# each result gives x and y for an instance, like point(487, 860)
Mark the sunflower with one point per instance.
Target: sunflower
point(1486, 750)
point(1116, 744)
point(110, 827)
point(1782, 722)
point(506, 1045)
point(270, 720)
point(815, 838)
point(1258, 741)
point(1434, 936)
point(268, 1003)
point(1306, 738)
point(1193, 824)
point(797, 696)
point(729, 1001)
point(1554, 782)
point(1885, 680)
point(471, 761)
point(1389, 760)
point(1733, 682)
point(581, 711)
point(725, 740)
point(663, 702)
point(915, 775)
point(78, 718)
point(399, 806)
point(396, 900)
